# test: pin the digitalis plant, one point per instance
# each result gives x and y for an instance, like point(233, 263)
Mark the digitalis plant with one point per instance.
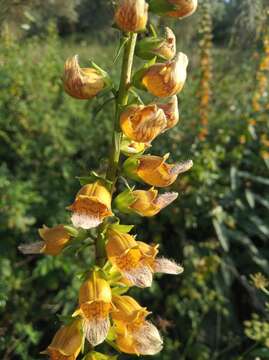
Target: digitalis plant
point(104, 312)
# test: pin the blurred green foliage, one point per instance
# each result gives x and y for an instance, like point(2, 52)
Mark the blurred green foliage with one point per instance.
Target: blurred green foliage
point(219, 228)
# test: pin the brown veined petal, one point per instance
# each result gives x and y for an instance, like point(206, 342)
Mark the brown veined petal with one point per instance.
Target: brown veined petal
point(96, 330)
point(166, 266)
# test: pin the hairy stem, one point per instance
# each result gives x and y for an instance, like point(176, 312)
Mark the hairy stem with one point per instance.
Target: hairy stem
point(121, 101)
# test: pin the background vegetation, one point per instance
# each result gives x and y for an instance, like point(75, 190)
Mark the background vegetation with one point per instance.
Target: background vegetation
point(219, 228)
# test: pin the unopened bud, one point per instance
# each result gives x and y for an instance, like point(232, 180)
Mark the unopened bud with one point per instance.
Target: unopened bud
point(131, 15)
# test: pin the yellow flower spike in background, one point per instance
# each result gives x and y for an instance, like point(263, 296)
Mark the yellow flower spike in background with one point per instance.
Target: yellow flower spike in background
point(135, 335)
point(154, 170)
point(143, 123)
point(67, 342)
point(144, 202)
point(95, 304)
point(91, 206)
point(136, 260)
point(131, 15)
point(166, 79)
point(171, 112)
point(54, 240)
point(82, 83)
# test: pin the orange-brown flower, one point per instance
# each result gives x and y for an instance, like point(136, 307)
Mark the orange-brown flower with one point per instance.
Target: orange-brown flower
point(134, 334)
point(131, 15)
point(82, 83)
point(171, 112)
point(154, 170)
point(136, 260)
point(91, 206)
point(166, 79)
point(67, 342)
point(167, 50)
point(54, 240)
point(143, 123)
point(95, 304)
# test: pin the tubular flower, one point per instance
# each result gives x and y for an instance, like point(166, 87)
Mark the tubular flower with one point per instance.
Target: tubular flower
point(143, 123)
point(135, 335)
point(154, 171)
point(167, 79)
point(95, 304)
point(171, 112)
point(82, 83)
point(144, 202)
point(132, 15)
point(67, 342)
point(183, 8)
point(136, 260)
point(54, 240)
point(91, 206)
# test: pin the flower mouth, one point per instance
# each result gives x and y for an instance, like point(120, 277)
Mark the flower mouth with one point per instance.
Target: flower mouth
point(95, 310)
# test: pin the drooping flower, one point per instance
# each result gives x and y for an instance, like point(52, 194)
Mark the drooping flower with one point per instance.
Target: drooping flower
point(144, 202)
point(82, 83)
point(143, 123)
point(67, 342)
point(171, 112)
point(54, 240)
point(95, 304)
point(154, 170)
point(134, 334)
point(131, 15)
point(136, 260)
point(163, 47)
point(91, 206)
point(166, 79)
point(174, 8)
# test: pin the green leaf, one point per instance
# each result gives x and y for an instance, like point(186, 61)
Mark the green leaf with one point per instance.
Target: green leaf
point(221, 233)
point(263, 353)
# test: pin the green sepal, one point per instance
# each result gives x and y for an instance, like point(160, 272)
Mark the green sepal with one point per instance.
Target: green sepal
point(111, 336)
point(84, 180)
point(107, 78)
point(65, 319)
point(138, 76)
point(124, 200)
point(125, 229)
point(72, 231)
point(120, 290)
point(161, 7)
point(147, 48)
point(98, 356)
point(130, 166)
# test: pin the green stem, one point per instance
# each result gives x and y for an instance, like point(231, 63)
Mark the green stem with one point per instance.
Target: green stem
point(121, 101)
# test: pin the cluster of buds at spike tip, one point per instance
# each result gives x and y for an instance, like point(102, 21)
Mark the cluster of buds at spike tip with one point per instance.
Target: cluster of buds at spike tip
point(120, 260)
point(173, 8)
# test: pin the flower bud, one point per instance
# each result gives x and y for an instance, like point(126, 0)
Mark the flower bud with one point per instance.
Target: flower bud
point(91, 206)
point(167, 79)
point(164, 48)
point(54, 240)
point(171, 112)
point(142, 123)
point(82, 83)
point(173, 8)
point(131, 15)
point(67, 342)
point(154, 170)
